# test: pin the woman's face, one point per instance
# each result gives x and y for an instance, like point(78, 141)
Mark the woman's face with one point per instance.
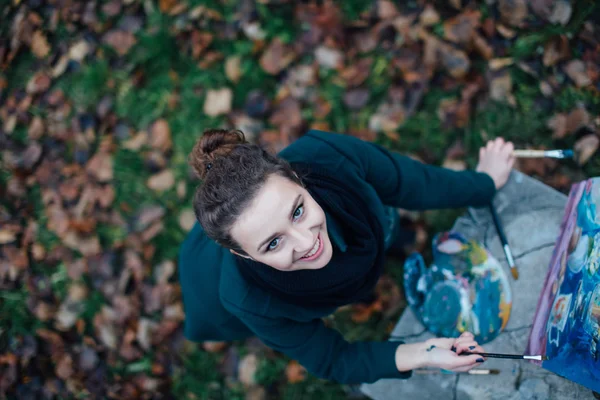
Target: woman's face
point(283, 227)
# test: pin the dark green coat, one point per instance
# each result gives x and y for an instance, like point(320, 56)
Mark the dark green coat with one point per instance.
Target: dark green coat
point(221, 305)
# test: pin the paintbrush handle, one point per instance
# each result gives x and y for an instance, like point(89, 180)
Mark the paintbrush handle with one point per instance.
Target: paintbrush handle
point(504, 241)
point(529, 153)
point(509, 356)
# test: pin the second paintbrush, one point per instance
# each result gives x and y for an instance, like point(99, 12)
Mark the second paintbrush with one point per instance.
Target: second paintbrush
point(510, 356)
point(507, 252)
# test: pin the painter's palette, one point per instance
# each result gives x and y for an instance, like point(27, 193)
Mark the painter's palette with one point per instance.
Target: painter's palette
point(566, 327)
point(465, 289)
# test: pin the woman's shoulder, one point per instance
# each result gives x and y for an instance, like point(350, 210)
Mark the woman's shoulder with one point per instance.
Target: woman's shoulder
point(326, 148)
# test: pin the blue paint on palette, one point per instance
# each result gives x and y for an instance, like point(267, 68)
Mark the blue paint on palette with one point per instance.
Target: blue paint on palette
point(465, 289)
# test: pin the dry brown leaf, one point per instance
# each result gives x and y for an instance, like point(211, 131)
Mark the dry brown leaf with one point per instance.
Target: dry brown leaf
point(356, 73)
point(329, 57)
point(556, 50)
point(39, 83)
point(64, 368)
point(542, 8)
point(295, 372)
point(362, 312)
point(386, 9)
point(39, 44)
point(558, 124)
point(456, 165)
point(576, 70)
point(482, 46)
point(461, 28)
point(355, 99)
point(233, 69)
point(513, 12)
point(247, 369)
point(36, 128)
point(388, 117)
point(218, 102)
point(100, 167)
point(501, 88)
point(276, 57)
point(585, 148)
point(199, 42)
point(136, 142)
point(561, 13)
point(214, 346)
point(7, 236)
point(162, 181)
point(121, 41)
point(499, 63)
point(187, 219)
point(160, 135)
point(577, 119)
point(429, 16)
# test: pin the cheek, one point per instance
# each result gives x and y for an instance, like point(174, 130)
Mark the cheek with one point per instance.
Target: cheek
point(281, 261)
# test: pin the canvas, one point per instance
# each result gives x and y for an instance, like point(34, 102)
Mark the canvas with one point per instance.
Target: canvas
point(566, 326)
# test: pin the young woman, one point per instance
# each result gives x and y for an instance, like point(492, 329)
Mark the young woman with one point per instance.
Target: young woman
point(283, 241)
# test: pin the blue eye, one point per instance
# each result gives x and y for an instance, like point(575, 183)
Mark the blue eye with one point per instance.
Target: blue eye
point(299, 211)
point(274, 243)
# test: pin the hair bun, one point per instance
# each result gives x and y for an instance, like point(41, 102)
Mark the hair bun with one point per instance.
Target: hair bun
point(213, 144)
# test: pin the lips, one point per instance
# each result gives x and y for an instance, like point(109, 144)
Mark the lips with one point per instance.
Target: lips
point(315, 252)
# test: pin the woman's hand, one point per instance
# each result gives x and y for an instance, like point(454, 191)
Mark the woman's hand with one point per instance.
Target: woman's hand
point(440, 353)
point(496, 160)
point(445, 353)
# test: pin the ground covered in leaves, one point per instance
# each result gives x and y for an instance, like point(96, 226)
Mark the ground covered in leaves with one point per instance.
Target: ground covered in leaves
point(101, 101)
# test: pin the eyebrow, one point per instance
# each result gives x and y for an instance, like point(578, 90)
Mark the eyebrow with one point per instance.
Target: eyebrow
point(270, 239)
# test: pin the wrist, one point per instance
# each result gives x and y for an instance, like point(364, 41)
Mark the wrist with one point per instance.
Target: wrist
point(413, 355)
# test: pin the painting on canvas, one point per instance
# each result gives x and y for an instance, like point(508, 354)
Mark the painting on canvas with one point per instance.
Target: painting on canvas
point(566, 327)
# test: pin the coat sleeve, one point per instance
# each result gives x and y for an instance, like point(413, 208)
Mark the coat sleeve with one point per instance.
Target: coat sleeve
point(324, 352)
point(403, 182)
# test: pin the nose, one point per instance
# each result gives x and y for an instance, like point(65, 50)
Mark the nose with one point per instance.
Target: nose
point(304, 240)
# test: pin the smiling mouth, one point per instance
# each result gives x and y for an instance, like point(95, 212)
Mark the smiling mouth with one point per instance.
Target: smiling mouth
point(315, 252)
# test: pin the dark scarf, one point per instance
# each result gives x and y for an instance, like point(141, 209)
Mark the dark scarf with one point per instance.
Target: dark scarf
point(350, 276)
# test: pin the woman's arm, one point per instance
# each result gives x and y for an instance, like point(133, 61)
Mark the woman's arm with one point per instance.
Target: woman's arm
point(403, 182)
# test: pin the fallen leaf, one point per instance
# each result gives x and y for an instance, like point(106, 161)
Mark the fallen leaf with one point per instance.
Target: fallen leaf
point(501, 87)
point(456, 165)
point(233, 69)
point(218, 102)
point(120, 40)
point(576, 70)
point(577, 119)
point(39, 83)
point(39, 44)
point(100, 167)
point(561, 13)
point(558, 124)
point(276, 57)
point(295, 372)
point(585, 148)
point(88, 358)
point(146, 216)
point(160, 135)
point(214, 346)
point(355, 99)
point(386, 9)
point(556, 50)
point(162, 181)
point(329, 57)
point(542, 8)
point(7, 236)
point(429, 16)
point(461, 28)
point(36, 128)
point(513, 12)
point(247, 369)
point(388, 117)
point(64, 368)
point(499, 63)
point(187, 219)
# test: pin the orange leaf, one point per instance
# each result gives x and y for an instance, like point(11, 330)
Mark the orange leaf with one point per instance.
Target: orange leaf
point(295, 372)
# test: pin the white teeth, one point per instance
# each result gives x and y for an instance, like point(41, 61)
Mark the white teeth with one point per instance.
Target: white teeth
point(314, 249)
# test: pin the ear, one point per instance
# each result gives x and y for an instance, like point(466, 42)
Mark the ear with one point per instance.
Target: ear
point(240, 255)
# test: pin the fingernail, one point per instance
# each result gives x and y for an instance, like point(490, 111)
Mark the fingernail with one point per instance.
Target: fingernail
point(453, 349)
point(471, 347)
point(479, 360)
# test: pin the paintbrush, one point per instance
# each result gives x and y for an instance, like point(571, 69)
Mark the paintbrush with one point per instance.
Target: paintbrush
point(470, 372)
point(511, 356)
point(544, 153)
point(507, 252)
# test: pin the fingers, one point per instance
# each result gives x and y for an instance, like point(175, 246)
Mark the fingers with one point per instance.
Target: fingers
point(467, 362)
point(469, 346)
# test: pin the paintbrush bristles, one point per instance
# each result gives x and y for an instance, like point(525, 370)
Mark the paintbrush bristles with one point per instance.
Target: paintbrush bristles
point(515, 272)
